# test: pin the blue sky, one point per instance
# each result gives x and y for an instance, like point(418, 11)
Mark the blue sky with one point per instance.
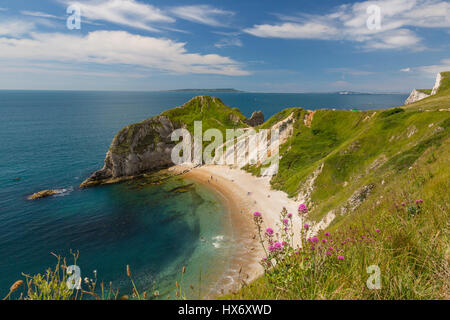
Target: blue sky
point(254, 45)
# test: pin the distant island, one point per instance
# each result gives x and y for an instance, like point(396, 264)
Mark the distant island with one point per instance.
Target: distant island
point(206, 90)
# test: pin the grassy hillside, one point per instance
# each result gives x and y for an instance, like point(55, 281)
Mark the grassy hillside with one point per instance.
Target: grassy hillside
point(210, 110)
point(384, 176)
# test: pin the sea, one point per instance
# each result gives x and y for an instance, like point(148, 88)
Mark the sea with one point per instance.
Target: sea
point(56, 139)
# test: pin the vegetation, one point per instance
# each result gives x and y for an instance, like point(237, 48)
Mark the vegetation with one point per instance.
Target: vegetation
point(393, 162)
point(401, 227)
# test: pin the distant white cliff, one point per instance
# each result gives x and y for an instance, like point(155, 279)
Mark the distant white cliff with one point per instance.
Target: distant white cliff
point(419, 94)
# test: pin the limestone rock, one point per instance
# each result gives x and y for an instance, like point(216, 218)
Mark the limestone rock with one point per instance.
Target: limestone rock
point(416, 96)
point(43, 194)
point(256, 119)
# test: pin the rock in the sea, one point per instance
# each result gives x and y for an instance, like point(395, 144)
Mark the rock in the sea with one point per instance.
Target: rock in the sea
point(43, 194)
point(256, 119)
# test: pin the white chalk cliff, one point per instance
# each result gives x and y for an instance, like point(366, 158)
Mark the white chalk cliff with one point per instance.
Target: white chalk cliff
point(417, 95)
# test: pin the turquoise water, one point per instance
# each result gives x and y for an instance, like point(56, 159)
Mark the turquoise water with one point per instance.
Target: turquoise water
point(56, 139)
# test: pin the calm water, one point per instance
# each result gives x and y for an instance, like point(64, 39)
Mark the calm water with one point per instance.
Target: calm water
point(56, 139)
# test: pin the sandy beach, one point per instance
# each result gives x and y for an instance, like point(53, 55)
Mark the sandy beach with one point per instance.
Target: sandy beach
point(242, 194)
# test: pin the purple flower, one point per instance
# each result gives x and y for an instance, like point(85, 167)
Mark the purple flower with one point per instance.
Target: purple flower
point(285, 244)
point(285, 221)
point(277, 245)
point(327, 234)
point(302, 208)
point(324, 240)
point(315, 239)
point(340, 257)
point(269, 231)
point(330, 249)
point(271, 248)
point(403, 203)
point(377, 230)
point(257, 214)
point(328, 253)
point(289, 215)
point(306, 226)
point(309, 240)
point(419, 201)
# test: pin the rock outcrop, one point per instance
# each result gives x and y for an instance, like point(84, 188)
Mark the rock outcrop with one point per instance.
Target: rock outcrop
point(256, 119)
point(437, 84)
point(44, 194)
point(137, 148)
point(147, 146)
point(416, 95)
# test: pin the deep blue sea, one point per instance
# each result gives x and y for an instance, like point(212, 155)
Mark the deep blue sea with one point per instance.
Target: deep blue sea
point(55, 139)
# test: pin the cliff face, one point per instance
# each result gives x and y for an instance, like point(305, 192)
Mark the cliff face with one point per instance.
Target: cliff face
point(147, 146)
point(135, 149)
point(416, 96)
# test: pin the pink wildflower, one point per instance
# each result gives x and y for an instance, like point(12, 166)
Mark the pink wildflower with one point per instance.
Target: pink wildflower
point(257, 214)
point(289, 215)
point(302, 208)
point(324, 240)
point(285, 221)
point(269, 231)
point(327, 234)
point(306, 226)
point(340, 257)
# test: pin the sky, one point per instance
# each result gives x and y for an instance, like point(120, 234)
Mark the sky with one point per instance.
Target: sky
point(251, 45)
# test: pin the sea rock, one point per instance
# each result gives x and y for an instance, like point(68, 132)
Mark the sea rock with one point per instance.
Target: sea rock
point(43, 194)
point(256, 119)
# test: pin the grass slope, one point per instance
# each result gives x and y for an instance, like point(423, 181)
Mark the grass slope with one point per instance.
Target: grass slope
point(403, 155)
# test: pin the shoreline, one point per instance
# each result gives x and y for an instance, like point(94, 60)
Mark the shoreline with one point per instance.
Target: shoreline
point(242, 194)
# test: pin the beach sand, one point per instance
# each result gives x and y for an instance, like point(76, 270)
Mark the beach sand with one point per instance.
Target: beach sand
point(243, 194)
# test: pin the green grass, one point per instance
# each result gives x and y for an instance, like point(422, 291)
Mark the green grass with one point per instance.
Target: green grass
point(411, 249)
point(404, 153)
point(426, 91)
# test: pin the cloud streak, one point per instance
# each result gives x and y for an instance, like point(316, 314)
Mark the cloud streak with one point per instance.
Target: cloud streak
point(349, 22)
point(203, 14)
point(123, 12)
point(117, 48)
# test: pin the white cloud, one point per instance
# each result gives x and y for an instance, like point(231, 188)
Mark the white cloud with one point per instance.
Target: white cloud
point(349, 22)
point(39, 14)
point(124, 12)
point(15, 28)
point(203, 14)
point(117, 48)
point(405, 70)
point(229, 42)
point(432, 70)
point(289, 30)
point(3, 9)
